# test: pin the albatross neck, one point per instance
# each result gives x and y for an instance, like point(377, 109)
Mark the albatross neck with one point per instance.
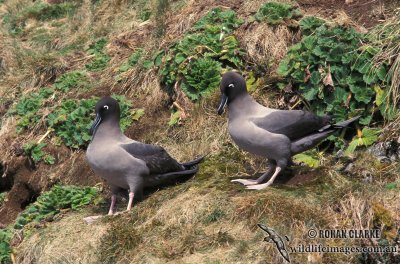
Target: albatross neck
point(241, 105)
point(109, 129)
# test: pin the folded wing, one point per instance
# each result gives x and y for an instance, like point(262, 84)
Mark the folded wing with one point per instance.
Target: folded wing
point(294, 124)
point(157, 159)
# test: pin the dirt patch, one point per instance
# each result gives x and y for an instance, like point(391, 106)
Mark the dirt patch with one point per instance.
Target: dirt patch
point(26, 188)
point(366, 13)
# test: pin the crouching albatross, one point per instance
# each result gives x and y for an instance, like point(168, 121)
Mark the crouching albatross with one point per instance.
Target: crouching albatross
point(271, 133)
point(127, 164)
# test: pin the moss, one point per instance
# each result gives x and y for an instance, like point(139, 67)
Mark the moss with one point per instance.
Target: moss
point(121, 239)
point(382, 217)
point(214, 216)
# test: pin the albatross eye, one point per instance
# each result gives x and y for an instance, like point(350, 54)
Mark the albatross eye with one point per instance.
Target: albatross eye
point(231, 85)
point(106, 107)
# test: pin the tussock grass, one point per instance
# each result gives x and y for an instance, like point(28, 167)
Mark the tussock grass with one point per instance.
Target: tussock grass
point(387, 37)
point(62, 242)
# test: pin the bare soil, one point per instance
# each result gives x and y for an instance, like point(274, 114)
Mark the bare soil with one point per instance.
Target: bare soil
point(366, 13)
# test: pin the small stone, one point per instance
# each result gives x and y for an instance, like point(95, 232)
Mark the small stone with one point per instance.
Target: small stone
point(394, 157)
point(383, 159)
point(92, 219)
point(349, 168)
point(378, 149)
point(340, 154)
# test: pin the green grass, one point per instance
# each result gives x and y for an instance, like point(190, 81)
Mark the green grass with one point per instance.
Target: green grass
point(101, 59)
point(40, 11)
point(2, 197)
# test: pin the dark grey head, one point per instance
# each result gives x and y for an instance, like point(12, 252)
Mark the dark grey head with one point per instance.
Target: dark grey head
point(107, 110)
point(233, 85)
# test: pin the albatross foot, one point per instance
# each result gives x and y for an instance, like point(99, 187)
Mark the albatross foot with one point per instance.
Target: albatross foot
point(245, 182)
point(258, 186)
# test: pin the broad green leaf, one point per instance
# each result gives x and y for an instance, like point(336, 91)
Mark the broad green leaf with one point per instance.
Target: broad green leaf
point(137, 114)
point(309, 158)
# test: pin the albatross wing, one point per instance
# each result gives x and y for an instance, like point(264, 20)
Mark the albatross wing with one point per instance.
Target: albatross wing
point(292, 123)
point(157, 159)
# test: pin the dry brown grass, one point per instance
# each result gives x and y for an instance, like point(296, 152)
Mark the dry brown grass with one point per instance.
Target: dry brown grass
point(387, 37)
point(69, 240)
point(265, 45)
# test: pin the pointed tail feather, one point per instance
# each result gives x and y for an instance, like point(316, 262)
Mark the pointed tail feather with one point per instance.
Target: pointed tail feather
point(189, 164)
point(339, 125)
point(172, 176)
point(344, 124)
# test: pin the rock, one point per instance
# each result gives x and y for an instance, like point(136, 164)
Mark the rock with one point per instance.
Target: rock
point(340, 154)
point(92, 219)
point(386, 152)
point(367, 176)
point(349, 168)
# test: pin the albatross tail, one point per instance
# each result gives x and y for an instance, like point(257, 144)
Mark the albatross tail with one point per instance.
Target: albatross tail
point(189, 169)
point(312, 140)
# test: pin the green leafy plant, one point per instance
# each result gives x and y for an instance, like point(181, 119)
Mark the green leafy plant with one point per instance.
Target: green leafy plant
point(101, 59)
point(309, 24)
point(5, 248)
point(333, 71)
point(366, 137)
point(2, 197)
point(28, 106)
point(174, 118)
point(208, 44)
point(72, 120)
point(52, 202)
point(277, 13)
point(35, 151)
point(132, 60)
point(201, 78)
point(137, 114)
point(70, 80)
point(310, 158)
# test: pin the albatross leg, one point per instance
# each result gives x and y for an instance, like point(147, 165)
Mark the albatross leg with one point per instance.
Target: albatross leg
point(265, 185)
point(261, 179)
point(113, 201)
point(131, 195)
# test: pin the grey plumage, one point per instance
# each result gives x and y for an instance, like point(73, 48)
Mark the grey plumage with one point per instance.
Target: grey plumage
point(271, 133)
point(127, 164)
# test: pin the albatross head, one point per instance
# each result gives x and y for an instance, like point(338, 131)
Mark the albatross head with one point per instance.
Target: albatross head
point(233, 85)
point(107, 110)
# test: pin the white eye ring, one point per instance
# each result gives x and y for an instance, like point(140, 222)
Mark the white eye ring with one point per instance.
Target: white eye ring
point(231, 85)
point(106, 107)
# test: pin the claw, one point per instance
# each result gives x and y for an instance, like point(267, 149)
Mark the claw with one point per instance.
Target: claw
point(258, 186)
point(245, 182)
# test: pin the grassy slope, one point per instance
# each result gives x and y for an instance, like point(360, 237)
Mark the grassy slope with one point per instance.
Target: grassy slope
point(206, 219)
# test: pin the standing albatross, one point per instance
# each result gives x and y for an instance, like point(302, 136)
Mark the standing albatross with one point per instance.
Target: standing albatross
point(271, 133)
point(127, 164)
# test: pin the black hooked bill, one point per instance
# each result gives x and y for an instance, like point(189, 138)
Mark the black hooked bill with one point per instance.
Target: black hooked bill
point(222, 103)
point(95, 125)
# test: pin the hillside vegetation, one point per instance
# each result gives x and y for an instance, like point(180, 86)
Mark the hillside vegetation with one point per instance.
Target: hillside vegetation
point(162, 60)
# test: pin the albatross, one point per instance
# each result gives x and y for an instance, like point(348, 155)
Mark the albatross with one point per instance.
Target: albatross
point(271, 133)
point(127, 164)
